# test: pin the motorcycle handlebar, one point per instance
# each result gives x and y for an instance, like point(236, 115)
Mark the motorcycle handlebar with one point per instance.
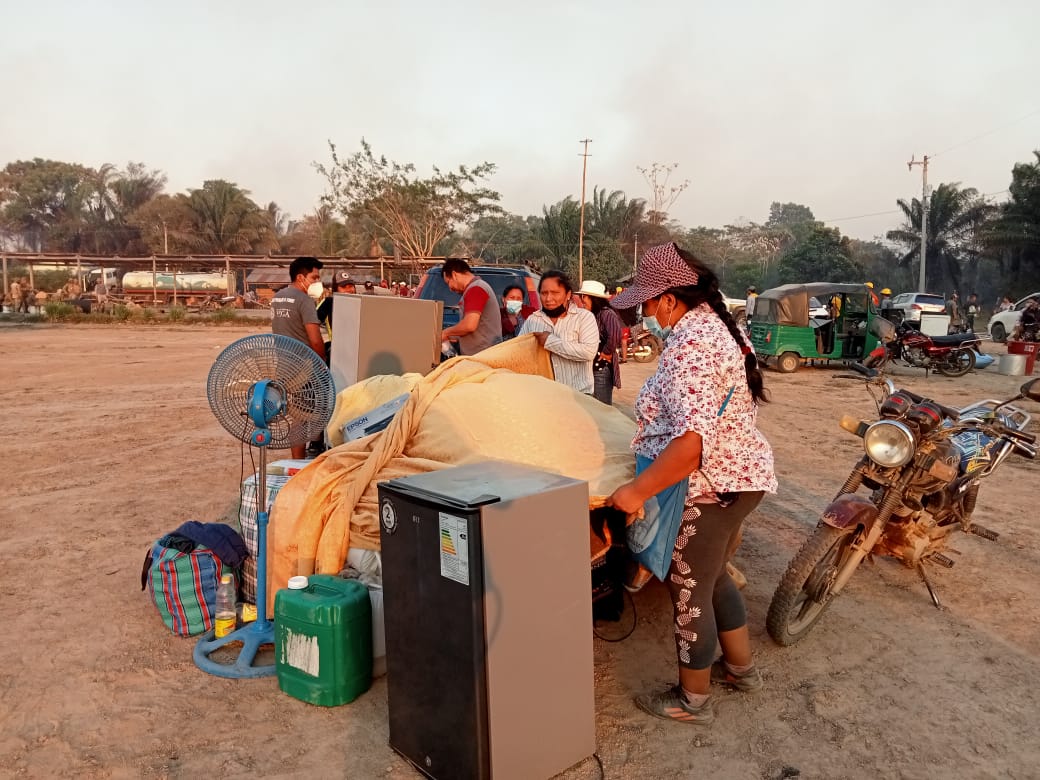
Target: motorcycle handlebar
point(1013, 433)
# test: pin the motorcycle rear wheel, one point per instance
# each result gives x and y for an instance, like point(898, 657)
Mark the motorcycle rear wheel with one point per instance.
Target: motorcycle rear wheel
point(804, 592)
point(958, 363)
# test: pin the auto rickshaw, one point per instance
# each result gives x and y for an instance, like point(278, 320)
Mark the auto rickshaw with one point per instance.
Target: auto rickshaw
point(782, 326)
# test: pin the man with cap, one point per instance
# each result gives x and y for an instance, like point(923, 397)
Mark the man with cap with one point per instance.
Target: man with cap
point(886, 299)
point(749, 304)
point(341, 283)
point(296, 316)
point(873, 295)
point(606, 373)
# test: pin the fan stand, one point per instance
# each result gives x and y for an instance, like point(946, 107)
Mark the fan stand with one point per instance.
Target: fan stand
point(260, 632)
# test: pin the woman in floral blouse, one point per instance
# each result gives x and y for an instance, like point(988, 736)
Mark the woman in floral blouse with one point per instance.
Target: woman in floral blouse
point(696, 418)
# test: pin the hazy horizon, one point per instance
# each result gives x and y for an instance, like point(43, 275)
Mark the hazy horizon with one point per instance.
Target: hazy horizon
point(820, 106)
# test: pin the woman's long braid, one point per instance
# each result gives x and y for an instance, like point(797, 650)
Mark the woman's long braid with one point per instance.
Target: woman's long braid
point(707, 291)
point(718, 305)
point(756, 384)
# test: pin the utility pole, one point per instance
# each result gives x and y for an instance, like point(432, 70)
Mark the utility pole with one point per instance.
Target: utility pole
point(165, 239)
point(635, 255)
point(581, 221)
point(924, 218)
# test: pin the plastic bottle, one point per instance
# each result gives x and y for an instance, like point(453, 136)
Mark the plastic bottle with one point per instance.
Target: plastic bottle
point(226, 616)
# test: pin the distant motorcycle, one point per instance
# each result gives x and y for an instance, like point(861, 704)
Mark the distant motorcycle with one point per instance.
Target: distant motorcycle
point(920, 476)
point(643, 347)
point(952, 355)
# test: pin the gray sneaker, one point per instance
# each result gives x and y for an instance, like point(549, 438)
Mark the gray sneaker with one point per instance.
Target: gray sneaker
point(672, 705)
point(747, 682)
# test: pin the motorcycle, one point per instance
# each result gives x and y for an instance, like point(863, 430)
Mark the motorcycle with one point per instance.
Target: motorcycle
point(952, 355)
point(922, 469)
point(643, 346)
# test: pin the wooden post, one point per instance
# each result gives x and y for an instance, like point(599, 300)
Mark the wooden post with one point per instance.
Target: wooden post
point(155, 292)
point(32, 279)
point(7, 287)
point(175, 285)
point(227, 275)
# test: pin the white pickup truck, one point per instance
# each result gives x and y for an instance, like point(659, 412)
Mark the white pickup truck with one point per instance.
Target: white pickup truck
point(737, 307)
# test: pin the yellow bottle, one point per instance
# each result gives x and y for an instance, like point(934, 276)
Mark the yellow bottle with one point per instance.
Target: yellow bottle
point(225, 618)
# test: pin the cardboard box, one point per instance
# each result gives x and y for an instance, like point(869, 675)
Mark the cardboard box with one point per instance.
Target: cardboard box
point(375, 420)
point(376, 335)
point(287, 467)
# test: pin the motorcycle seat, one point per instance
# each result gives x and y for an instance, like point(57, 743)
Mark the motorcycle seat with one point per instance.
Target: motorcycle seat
point(955, 339)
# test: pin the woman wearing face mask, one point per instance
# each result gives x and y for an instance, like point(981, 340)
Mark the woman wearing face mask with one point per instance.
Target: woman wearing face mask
point(697, 421)
point(514, 311)
point(570, 334)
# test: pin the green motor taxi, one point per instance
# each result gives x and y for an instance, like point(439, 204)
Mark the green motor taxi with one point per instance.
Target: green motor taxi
point(787, 329)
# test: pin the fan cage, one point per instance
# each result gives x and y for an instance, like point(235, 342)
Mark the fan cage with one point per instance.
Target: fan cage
point(296, 372)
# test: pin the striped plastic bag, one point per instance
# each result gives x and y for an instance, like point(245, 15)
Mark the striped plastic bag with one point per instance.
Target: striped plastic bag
point(183, 586)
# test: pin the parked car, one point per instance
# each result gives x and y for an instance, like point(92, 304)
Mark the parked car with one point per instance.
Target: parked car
point(912, 304)
point(1003, 323)
point(817, 310)
point(433, 288)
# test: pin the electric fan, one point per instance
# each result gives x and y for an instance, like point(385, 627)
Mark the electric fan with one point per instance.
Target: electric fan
point(268, 391)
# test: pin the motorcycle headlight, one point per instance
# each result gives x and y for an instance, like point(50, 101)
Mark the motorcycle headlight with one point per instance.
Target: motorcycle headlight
point(889, 443)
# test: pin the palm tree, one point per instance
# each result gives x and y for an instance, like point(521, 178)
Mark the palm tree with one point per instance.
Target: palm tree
point(99, 208)
point(1014, 235)
point(559, 231)
point(227, 221)
point(134, 187)
point(954, 216)
point(613, 215)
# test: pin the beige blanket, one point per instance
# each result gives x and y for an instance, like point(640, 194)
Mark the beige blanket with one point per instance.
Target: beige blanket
point(501, 404)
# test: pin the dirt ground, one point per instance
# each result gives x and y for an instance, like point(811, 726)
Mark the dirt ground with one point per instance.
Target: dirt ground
point(109, 443)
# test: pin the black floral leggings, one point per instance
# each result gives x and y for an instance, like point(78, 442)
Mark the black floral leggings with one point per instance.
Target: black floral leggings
point(705, 599)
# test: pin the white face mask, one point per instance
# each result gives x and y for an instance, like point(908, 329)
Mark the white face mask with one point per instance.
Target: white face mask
point(315, 290)
point(513, 307)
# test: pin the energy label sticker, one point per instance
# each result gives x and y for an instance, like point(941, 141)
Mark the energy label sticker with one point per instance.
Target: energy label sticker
point(454, 548)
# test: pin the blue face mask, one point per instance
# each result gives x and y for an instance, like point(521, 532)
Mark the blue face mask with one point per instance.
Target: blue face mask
point(654, 327)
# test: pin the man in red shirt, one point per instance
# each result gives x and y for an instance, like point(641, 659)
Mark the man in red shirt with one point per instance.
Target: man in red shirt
point(480, 321)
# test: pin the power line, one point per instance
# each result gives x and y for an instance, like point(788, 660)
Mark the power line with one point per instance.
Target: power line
point(862, 216)
point(897, 211)
point(987, 133)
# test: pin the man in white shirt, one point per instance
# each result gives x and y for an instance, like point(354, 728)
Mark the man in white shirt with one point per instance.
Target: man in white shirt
point(749, 304)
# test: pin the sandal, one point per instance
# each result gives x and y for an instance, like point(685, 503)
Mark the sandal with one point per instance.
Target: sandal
point(636, 576)
point(672, 705)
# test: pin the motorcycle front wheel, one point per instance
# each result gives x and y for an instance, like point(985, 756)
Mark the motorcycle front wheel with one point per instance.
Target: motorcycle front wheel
point(958, 363)
point(804, 592)
point(644, 351)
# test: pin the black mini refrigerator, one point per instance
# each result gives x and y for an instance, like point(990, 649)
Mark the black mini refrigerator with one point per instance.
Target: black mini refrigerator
point(488, 621)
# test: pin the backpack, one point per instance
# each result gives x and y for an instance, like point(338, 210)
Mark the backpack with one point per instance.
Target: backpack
point(181, 576)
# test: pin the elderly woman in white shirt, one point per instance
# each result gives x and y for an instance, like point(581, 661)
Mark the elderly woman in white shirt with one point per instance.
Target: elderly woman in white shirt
point(570, 334)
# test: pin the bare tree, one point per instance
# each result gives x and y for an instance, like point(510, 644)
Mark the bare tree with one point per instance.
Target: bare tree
point(662, 194)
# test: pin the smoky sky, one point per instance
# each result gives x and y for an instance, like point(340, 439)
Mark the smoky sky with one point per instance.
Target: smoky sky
point(820, 103)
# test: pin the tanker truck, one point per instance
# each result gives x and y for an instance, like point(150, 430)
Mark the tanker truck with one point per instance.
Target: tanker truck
point(140, 286)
